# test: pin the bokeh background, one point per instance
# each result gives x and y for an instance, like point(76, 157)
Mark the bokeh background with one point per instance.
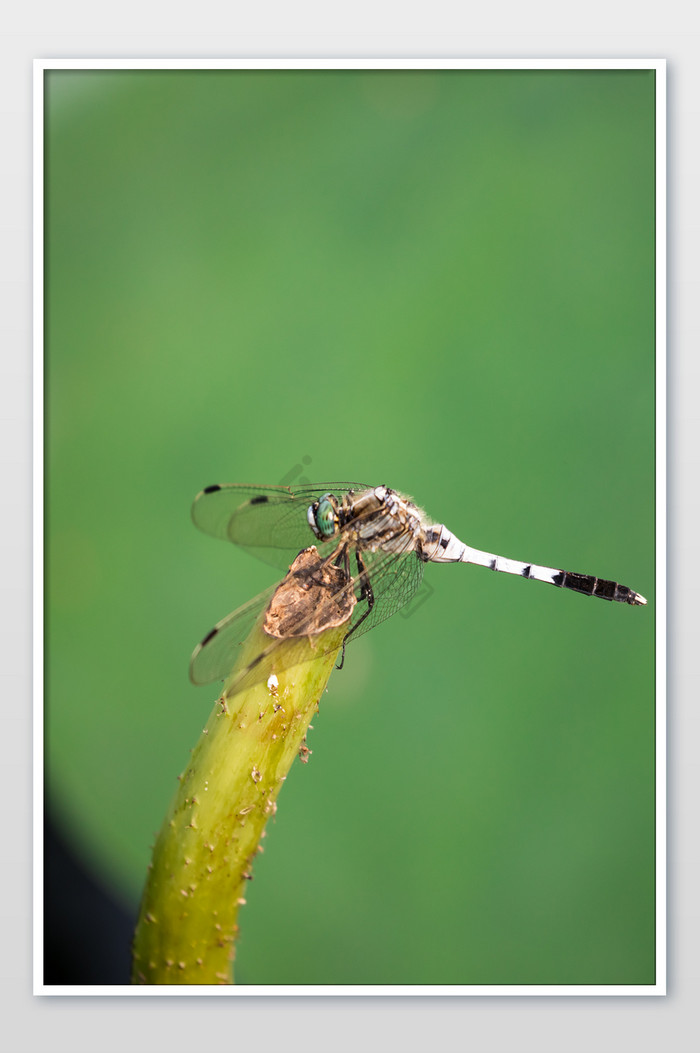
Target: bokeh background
point(438, 280)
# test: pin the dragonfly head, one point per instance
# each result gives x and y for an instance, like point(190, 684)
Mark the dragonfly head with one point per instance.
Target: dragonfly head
point(322, 517)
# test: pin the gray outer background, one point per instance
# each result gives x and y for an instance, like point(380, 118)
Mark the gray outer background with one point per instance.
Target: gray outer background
point(538, 29)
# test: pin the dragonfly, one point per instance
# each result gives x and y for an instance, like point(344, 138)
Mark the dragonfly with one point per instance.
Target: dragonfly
point(377, 541)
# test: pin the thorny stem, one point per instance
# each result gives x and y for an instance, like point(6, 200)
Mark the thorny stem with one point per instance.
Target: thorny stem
point(203, 856)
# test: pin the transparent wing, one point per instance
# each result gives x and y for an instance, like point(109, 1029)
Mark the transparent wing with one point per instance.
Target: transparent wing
point(268, 521)
point(394, 578)
point(215, 657)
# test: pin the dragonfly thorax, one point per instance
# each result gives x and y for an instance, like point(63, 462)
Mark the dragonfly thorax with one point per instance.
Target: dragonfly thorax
point(381, 520)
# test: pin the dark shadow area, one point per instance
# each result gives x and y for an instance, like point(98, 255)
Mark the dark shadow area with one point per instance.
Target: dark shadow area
point(87, 932)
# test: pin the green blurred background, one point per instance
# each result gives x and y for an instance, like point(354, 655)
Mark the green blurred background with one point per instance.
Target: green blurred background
point(438, 280)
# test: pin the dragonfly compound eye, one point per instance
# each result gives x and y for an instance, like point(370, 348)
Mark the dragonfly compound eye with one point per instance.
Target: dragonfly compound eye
point(323, 517)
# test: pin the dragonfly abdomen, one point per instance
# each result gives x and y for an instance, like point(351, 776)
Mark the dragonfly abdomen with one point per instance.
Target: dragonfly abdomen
point(441, 546)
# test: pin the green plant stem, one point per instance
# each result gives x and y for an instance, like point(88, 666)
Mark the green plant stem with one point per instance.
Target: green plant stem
point(203, 856)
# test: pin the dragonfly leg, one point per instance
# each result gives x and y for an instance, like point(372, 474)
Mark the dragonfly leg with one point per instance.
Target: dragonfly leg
point(365, 594)
point(344, 558)
point(346, 568)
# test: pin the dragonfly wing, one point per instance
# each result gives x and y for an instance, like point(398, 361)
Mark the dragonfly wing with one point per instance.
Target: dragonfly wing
point(307, 604)
point(394, 578)
point(263, 519)
point(215, 657)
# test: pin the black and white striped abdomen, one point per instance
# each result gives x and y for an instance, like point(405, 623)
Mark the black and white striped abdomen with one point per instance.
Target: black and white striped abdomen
point(441, 546)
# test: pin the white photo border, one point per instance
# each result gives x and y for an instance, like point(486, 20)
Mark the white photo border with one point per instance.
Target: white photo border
point(41, 67)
